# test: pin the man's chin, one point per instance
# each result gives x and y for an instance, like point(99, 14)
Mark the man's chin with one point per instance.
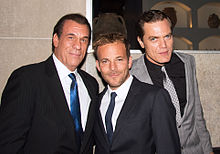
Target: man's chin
point(114, 86)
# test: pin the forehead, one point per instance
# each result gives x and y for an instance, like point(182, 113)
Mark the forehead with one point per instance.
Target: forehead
point(157, 28)
point(70, 25)
point(112, 49)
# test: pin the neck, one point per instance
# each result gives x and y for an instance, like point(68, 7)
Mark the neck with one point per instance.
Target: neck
point(154, 61)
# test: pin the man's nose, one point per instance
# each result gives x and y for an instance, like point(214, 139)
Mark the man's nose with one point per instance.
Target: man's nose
point(77, 44)
point(163, 43)
point(112, 65)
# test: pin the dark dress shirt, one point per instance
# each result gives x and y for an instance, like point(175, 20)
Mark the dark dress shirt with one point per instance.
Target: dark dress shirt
point(176, 72)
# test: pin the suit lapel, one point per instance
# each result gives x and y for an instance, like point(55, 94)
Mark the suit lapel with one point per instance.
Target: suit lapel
point(92, 92)
point(126, 108)
point(100, 122)
point(140, 70)
point(56, 92)
point(91, 112)
point(188, 76)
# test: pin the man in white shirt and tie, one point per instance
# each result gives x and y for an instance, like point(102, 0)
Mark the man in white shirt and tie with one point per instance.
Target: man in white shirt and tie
point(133, 117)
point(37, 114)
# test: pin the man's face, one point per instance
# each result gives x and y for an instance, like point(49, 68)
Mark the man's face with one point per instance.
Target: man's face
point(157, 41)
point(113, 64)
point(71, 46)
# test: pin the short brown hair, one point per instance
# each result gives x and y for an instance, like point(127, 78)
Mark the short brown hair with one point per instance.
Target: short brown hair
point(108, 38)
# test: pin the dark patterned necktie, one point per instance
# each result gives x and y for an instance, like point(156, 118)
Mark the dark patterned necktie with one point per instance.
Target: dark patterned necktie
point(168, 85)
point(108, 117)
point(75, 107)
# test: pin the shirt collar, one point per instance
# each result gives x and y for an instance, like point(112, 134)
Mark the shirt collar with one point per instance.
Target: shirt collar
point(122, 91)
point(174, 67)
point(173, 61)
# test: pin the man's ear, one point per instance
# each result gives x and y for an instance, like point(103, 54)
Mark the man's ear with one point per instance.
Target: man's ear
point(55, 40)
point(97, 65)
point(129, 62)
point(140, 42)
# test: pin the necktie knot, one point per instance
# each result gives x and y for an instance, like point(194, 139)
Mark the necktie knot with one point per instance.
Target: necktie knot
point(72, 76)
point(74, 83)
point(113, 95)
point(163, 68)
point(164, 72)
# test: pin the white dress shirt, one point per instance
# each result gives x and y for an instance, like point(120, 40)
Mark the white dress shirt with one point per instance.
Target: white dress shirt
point(122, 93)
point(84, 98)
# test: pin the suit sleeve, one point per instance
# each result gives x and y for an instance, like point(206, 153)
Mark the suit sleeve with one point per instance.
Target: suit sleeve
point(200, 121)
point(15, 113)
point(164, 124)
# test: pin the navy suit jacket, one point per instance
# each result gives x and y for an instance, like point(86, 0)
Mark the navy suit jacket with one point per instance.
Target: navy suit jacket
point(34, 115)
point(146, 124)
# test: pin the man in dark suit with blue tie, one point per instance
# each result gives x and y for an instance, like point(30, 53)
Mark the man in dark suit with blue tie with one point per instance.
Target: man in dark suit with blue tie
point(46, 108)
point(133, 117)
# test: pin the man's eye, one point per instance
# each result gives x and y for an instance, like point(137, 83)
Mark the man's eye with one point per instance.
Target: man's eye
point(84, 40)
point(168, 36)
point(104, 61)
point(120, 59)
point(153, 38)
point(71, 37)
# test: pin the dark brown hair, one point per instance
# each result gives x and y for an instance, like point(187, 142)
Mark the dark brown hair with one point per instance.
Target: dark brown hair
point(150, 17)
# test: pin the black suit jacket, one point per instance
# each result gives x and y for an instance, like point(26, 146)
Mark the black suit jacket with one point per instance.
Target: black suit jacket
point(34, 115)
point(146, 124)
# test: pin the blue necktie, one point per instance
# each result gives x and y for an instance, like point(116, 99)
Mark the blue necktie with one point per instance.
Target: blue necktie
point(75, 107)
point(108, 117)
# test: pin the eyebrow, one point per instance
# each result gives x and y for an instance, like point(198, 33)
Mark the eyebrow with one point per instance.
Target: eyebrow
point(71, 34)
point(103, 59)
point(150, 37)
point(119, 57)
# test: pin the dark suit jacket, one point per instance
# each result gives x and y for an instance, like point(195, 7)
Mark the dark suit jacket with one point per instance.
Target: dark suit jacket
point(34, 115)
point(146, 124)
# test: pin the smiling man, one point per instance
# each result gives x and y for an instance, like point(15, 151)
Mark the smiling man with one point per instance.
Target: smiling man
point(46, 108)
point(161, 65)
point(133, 117)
